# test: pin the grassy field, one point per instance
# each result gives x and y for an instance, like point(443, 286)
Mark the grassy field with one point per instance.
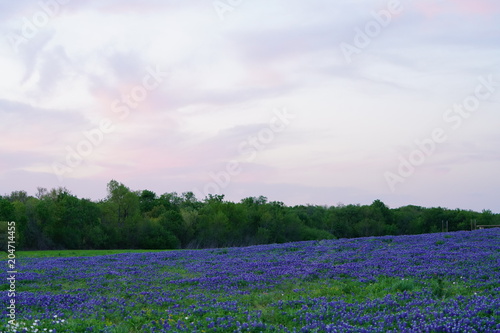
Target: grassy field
point(447, 282)
point(71, 253)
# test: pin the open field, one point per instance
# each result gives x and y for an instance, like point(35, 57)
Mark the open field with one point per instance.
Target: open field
point(71, 253)
point(446, 282)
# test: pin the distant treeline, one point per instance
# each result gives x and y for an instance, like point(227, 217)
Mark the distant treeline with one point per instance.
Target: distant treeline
point(56, 219)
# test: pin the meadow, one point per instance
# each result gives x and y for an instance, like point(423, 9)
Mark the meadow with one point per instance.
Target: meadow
point(441, 282)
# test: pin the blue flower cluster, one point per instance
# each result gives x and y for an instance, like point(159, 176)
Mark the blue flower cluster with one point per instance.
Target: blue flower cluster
point(446, 282)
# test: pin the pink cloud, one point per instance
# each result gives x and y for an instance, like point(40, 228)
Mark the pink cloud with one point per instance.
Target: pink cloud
point(477, 6)
point(463, 7)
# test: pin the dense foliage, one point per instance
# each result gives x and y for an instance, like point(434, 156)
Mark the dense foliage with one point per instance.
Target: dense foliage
point(57, 219)
point(441, 282)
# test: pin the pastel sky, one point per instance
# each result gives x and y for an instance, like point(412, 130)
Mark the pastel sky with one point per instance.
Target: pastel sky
point(304, 102)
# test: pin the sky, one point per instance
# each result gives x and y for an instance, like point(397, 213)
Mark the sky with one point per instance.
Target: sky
point(305, 102)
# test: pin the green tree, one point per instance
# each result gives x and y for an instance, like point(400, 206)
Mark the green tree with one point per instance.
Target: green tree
point(4, 236)
point(121, 215)
point(6, 210)
point(486, 217)
point(172, 222)
point(21, 196)
point(433, 219)
point(152, 235)
point(147, 201)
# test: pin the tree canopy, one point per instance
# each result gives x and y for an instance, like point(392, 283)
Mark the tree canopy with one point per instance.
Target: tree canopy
point(57, 219)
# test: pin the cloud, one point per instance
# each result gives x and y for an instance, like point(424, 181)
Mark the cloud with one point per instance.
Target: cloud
point(481, 8)
point(19, 118)
point(225, 78)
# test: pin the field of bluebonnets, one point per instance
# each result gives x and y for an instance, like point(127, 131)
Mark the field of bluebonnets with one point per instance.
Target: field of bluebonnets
point(444, 282)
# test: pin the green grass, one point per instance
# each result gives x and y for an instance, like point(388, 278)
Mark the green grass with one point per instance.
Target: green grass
point(72, 253)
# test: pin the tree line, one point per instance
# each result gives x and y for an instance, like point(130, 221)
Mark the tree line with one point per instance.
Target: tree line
point(127, 219)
